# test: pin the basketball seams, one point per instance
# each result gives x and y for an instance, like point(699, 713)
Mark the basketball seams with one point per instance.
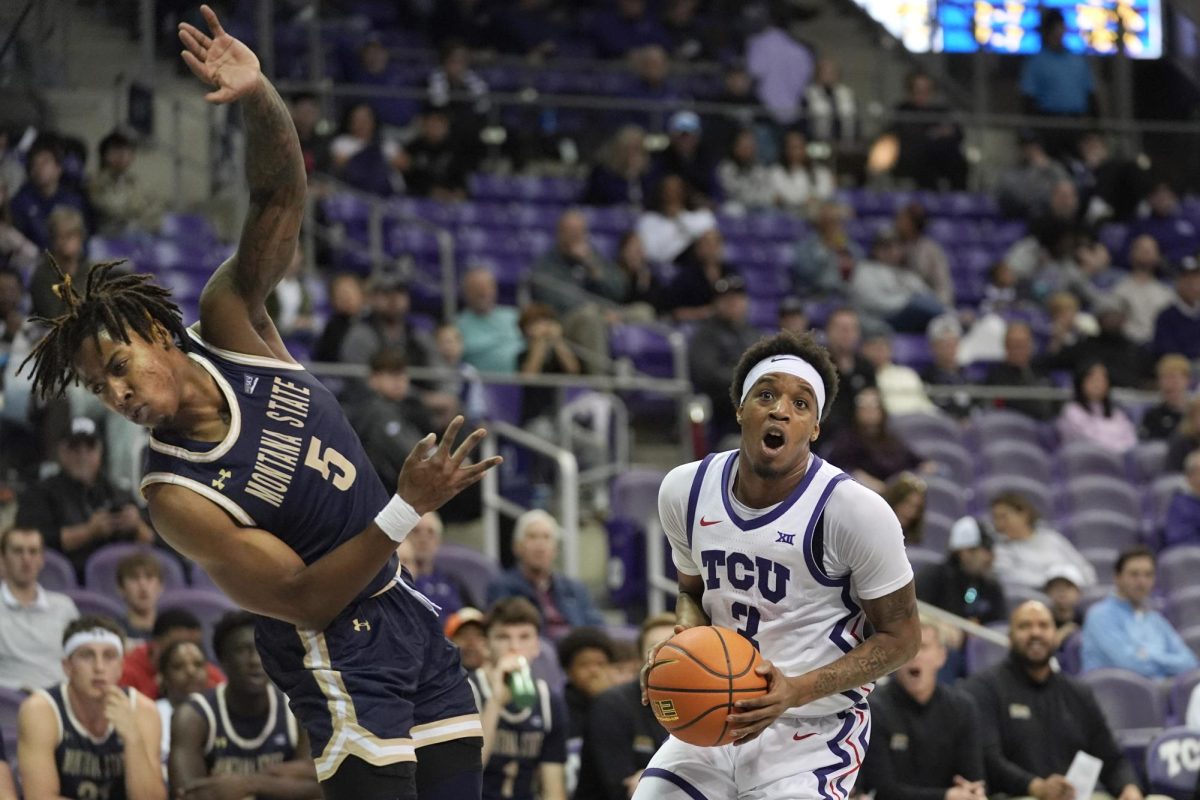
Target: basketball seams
point(695, 660)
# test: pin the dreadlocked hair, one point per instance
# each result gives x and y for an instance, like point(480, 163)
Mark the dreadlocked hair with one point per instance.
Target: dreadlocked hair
point(114, 303)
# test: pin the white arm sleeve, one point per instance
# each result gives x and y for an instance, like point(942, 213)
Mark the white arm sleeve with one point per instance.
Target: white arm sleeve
point(672, 513)
point(863, 538)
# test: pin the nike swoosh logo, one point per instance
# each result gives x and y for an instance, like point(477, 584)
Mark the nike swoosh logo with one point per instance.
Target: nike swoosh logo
point(780, 358)
point(797, 737)
point(704, 523)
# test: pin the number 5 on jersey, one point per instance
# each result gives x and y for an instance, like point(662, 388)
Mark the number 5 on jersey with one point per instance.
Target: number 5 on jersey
point(333, 466)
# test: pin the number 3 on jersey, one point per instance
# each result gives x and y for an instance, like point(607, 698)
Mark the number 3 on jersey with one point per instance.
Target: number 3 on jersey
point(333, 466)
point(750, 629)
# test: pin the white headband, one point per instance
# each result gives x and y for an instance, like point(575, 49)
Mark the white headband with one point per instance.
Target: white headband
point(790, 365)
point(94, 636)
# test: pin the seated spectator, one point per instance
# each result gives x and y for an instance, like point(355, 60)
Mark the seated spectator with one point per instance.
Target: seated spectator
point(1000, 291)
point(141, 662)
point(31, 617)
point(1183, 514)
point(1124, 631)
point(832, 109)
point(465, 628)
point(491, 337)
point(1068, 327)
point(867, 449)
point(1177, 327)
point(964, 584)
point(208, 750)
point(726, 335)
point(1174, 376)
point(740, 109)
point(627, 25)
point(825, 259)
point(119, 200)
point(905, 494)
point(305, 108)
point(586, 656)
point(745, 182)
point(621, 174)
point(1144, 294)
point(884, 288)
point(798, 184)
point(66, 250)
point(290, 303)
point(686, 158)
point(1110, 183)
point(580, 284)
point(1018, 369)
point(388, 416)
point(388, 326)
point(374, 67)
point(1091, 416)
point(669, 228)
point(546, 353)
point(181, 673)
point(365, 158)
point(930, 144)
point(690, 294)
point(418, 552)
point(843, 340)
point(782, 68)
point(44, 190)
point(140, 584)
point(1035, 719)
point(346, 304)
point(899, 386)
point(87, 737)
point(926, 739)
point(457, 88)
point(79, 510)
point(1064, 587)
point(1186, 437)
point(622, 733)
point(945, 333)
point(792, 316)
point(1024, 190)
point(463, 393)
point(1177, 237)
point(690, 36)
point(643, 292)
point(563, 602)
point(437, 167)
point(12, 314)
point(16, 251)
point(923, 256)
point(1026, 551)
point(1125, 359)
point(519, 747)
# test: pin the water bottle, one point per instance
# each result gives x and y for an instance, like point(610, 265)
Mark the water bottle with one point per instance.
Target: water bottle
point(520, 683)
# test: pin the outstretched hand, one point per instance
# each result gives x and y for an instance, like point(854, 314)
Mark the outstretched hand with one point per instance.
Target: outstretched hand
point(219, 60)
point(428, 480)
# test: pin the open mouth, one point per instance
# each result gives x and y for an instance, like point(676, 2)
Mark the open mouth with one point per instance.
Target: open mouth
point(139, 414)
point(913, 672)
point(773, 440)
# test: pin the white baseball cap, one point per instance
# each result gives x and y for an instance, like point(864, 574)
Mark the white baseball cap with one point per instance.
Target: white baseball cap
point(968, 533)
point(1065, 572)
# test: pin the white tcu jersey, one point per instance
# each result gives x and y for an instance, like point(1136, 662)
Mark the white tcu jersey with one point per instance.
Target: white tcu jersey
point(788, 578)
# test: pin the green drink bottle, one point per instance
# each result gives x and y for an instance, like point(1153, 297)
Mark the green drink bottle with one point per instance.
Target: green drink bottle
point(520, 683)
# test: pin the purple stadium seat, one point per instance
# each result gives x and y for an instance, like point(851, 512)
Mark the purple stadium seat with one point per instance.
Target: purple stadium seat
point(1015, 458)
point(921, 557)
point(470, 567)
point(1102, 559)
point(195, 228)
point(10, 703)
point(1034, 490)
point(937, 531)
point(911, 350)
point(1148, 459)
point(623, 633)
point(1101, 529)
point(1016, 593)
point(1179, 694)
point(201, 580)
point(1178, 567)
point(1173, 763)
point(646, 346)
point(1161, 492)
point(1078, 459)
point(1128, 700)
point(1183, 607)
point(503, 402)
point(207, 606)
point(952, 455)
point(1001, 426)
point(96, 603)
point(634, 494)
point(1191, 636)
point(102, 248)
point(1098, 492)
point(914, 427)
point(100, 571)
point(546, 666)
point(944, 497)
point(58, 575)
point(981, 654)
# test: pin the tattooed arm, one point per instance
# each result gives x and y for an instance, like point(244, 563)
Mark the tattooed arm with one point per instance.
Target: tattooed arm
point(233, 313)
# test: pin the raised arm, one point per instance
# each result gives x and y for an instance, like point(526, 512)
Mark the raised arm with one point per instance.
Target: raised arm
point(233, 313)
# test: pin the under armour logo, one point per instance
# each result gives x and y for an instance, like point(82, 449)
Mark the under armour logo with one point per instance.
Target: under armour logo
point(362, 625)
point(249, 383)
point(786, 538)
point(220, 482)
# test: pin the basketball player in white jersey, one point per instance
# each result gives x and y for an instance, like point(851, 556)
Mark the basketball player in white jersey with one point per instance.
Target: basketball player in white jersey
point(786, 549)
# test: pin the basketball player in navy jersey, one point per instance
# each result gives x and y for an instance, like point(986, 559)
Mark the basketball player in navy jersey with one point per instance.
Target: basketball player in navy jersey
point(231, 741)
point(254, 473)
point(88, 738)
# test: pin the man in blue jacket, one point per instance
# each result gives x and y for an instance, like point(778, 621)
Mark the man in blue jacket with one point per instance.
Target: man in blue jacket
point(564, 602)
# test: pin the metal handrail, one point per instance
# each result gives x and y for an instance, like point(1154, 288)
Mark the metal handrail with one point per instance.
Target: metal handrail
point(567, 489)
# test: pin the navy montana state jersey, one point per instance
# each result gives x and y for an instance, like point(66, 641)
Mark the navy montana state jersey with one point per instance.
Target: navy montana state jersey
point(88, 768)
point(240, 745)
point(525, 739)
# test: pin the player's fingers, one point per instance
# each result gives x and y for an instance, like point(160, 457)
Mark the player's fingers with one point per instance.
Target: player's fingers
point(210, 17)
point(747, 717)
point(467, 446)
point(475, 471)
point(200, 36)
point(419, 449)
point(451, 434)
point(191, 43)
point(748, 735)
point(222, 95)
point(195, 65)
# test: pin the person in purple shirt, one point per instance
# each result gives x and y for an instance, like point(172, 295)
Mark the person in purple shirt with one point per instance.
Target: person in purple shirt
point(1177, 327)
point(1177, 236)
point(1183, 514)
point(624, 26)
point(31, 206)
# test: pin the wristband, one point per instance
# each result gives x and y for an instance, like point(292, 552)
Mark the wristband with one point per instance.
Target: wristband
point(397, 519)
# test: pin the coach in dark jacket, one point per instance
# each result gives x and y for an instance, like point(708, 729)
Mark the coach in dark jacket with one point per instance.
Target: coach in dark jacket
point(563, 602)
point(1035, 720)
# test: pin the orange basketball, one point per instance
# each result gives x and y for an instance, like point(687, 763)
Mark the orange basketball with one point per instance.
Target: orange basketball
point(697, 677)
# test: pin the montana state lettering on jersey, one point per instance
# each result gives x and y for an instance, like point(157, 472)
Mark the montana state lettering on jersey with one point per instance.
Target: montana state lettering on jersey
point(525, 739)
point(89, 768)
point(260, 742)
point(790, 578)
